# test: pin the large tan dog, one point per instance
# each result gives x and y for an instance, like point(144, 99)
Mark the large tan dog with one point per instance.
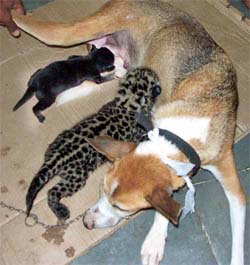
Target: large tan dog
point(200, 103)
point(149, 33)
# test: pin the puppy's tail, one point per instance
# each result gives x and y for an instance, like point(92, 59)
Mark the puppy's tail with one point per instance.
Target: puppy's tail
point(113, 16)
point(27, 95)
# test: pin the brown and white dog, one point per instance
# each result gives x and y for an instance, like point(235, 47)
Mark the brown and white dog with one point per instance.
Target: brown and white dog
point(198, 103)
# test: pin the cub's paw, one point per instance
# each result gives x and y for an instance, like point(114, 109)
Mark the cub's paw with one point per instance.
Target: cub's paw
point(60, 210)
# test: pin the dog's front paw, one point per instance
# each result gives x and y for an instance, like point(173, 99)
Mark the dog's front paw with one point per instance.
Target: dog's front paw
point(152, 249)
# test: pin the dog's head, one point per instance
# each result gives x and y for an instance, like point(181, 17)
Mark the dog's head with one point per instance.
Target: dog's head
point(134, 182)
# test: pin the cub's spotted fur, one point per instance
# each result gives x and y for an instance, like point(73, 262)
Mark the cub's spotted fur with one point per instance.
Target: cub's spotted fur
point(72, 158)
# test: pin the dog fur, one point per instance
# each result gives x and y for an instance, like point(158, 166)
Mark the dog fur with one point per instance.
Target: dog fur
point(141, 33)
point(198, 86)
point(141, 179)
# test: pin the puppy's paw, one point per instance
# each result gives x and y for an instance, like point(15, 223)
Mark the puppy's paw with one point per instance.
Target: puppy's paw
point(120, 71)
point(41, 118)
point(152, 250)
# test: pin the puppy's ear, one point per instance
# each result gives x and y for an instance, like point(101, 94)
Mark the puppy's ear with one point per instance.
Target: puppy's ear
point(111, 148)
point(161, 200)
point(90, 47)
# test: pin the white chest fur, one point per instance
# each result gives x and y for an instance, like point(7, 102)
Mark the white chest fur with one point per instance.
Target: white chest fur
point(185, 127)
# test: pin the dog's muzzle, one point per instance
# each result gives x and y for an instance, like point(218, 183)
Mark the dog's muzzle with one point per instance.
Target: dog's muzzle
point(101, 215)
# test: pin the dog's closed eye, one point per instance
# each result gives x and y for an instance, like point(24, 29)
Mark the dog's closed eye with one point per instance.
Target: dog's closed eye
point(119, 208)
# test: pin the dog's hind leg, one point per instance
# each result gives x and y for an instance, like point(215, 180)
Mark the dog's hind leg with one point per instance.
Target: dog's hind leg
point(65, 188)
point(225, 172)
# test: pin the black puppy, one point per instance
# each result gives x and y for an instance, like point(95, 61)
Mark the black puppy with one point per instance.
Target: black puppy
point(49, 82)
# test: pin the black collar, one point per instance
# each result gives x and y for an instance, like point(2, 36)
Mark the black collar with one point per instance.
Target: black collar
point(183, 146)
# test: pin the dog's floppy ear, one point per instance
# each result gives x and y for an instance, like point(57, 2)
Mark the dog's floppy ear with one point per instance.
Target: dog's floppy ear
point(111, 148)
point(161, 200)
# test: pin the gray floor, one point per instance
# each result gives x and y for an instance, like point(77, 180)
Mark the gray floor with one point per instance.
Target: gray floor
point(241, 7)
point(201, 238)
point(33, 4)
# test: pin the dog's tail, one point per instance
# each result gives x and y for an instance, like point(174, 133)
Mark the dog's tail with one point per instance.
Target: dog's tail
point(46, 172)
point(113, 16)
point(27, 95)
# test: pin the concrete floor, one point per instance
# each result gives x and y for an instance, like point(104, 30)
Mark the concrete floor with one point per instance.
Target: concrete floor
point(201, 238)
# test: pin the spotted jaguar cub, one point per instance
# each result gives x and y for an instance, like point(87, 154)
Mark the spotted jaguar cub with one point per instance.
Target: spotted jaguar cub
point(72, 158)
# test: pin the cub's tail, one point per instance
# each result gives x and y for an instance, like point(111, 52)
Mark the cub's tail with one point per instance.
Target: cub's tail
point(27, 95)
point(43, 176)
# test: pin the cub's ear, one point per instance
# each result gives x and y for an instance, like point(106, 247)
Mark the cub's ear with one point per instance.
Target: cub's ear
point(163, 203)
point(111, 148)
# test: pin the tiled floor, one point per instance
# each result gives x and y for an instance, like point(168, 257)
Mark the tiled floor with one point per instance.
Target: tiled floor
point(202, 238)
